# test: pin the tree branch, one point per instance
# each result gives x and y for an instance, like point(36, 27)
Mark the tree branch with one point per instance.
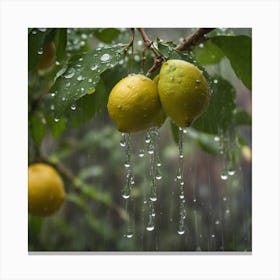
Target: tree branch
point(149, 44)
point(197, 37)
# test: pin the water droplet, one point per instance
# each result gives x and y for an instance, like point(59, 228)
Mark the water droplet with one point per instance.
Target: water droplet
point(153, 198)
point(127, 164)
point(80, 78)
point(52, 94)
point(215, 81)
point(63, 98)
point(129, 235)
point(73, 107)
point(213, 235)
point(198, 81)
point(181, 231)
point(194, 200)
point(70, 73)
point(231, 172)
point(123, 140)
point(224, 175)
point(201, 45)
point(141, 153)
point(56, 119)
point(52, 107)
point(148, 138)
point(40, 51)
point(105, 57)
point(150, 227)
point(94, 67)
point(227, 211)
point(217, 222)
point(90, 80)
point(158, 164)
point(158, 175)
point(216, 138)
point(224, 199)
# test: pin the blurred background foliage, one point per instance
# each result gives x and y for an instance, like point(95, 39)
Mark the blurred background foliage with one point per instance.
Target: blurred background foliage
point(69, 128)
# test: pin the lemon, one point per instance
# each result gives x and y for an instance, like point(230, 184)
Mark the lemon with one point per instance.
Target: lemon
point(45, 190)
point(183, 91)
point(48, 57)
point(134, 104)
point(161, 116)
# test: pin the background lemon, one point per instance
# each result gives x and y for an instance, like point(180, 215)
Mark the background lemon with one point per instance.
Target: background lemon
point(45, 190)
point(183, 91)
point(134, 103)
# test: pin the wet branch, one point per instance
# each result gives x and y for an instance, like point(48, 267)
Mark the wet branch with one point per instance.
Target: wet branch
point(149, 44)
point(189, 42)
point(196, 38)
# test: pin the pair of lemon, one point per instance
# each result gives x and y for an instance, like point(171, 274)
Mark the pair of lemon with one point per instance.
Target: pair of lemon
point(180, 91)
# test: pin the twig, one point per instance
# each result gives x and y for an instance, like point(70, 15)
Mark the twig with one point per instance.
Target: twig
point(131, 42)
point(196, 38)
point(149, 44)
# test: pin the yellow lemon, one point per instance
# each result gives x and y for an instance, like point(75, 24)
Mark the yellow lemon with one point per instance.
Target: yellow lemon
point(183, 91)
point(134, 103)
point(161, 116)
point(45, 190)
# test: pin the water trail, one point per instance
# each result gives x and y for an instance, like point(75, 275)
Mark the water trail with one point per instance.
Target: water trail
point(126, 191)
point(180, 183)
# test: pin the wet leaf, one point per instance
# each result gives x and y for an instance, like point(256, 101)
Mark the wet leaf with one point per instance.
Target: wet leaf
point(60, 43)
point(107, 35)
point(81, 77)
point(37, 37)
point(219, 115)
point(208, 53)
point(238, 50)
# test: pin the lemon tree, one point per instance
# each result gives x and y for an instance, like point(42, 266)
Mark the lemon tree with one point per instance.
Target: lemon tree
point(85, 85)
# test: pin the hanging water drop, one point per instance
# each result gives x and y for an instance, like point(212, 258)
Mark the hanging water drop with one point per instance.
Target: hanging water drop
point(123, 140)
point(141, 153)
point(224, 175)
point(73, 107)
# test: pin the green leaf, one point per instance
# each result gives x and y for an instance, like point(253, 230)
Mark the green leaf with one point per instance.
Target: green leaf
point(81, 77)
point(57, 125)
point(107, 35)
point(60, 43)
point(242, 117)
point(219, 115)
point(38, 129)
point(37, 37)
point(87, 106)
point(208, 53)
point(238, 49)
